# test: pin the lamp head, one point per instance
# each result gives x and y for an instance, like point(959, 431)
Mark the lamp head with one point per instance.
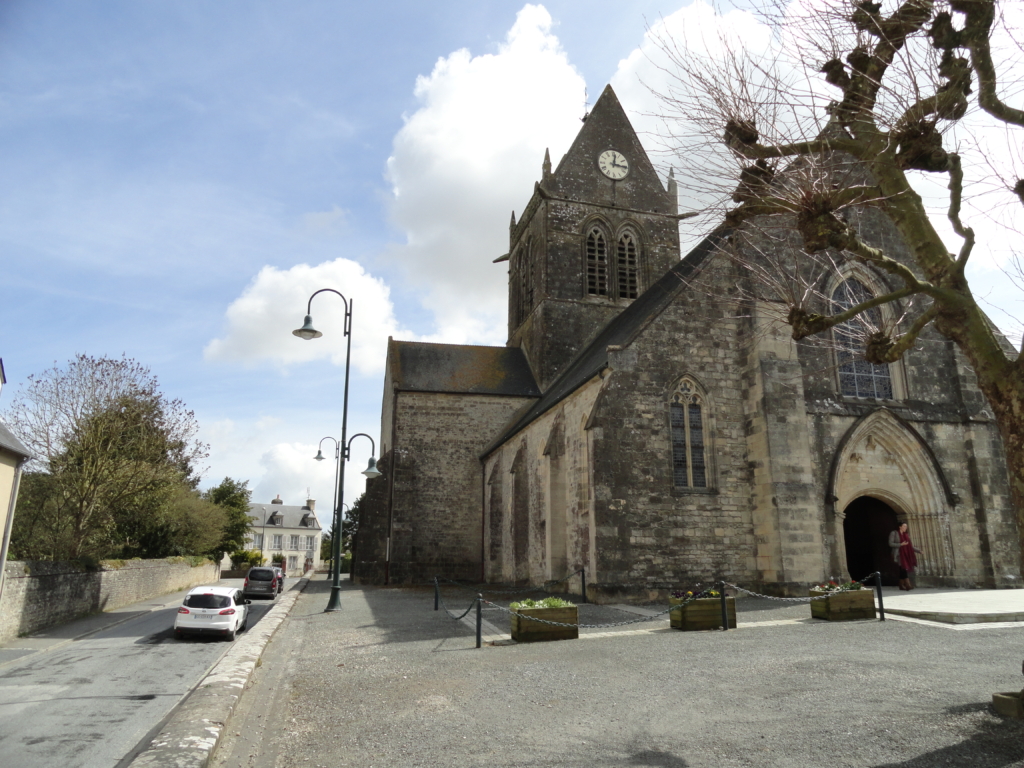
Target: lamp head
point(371, 470)
point(319, 455)
point(307, 331)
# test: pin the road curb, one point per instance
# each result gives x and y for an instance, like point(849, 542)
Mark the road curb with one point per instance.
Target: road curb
point(191, 734)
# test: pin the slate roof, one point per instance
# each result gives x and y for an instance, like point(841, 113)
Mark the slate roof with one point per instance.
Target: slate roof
point(291, 517)
point(11, 443)
point(458, 368)
point(620, 331)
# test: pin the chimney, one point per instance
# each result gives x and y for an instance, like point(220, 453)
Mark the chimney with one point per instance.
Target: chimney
point(277, 500)
point(311, 504)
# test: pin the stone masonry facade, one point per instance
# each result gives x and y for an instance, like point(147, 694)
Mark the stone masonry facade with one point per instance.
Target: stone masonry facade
point(679, 434)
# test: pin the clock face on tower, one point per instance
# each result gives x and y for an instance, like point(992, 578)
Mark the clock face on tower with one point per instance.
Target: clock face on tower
point(613, 164)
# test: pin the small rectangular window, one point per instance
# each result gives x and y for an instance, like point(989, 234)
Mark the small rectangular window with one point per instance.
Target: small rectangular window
point(277, 540)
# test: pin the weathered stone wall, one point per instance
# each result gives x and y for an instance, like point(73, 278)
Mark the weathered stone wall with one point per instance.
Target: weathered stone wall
point(37, 595)
point(650, 534)
point(437, 485)
point(539, 508)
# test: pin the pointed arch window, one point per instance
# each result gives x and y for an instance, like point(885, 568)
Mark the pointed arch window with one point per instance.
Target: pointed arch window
point(858, 377)
point(626, 262)
point(597, 263)
point(688, 418)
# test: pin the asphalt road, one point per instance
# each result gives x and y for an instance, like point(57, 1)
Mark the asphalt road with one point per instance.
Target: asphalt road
point(89, 703)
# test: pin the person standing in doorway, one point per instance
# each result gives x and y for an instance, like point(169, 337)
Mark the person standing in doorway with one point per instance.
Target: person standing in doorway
point(903, 553)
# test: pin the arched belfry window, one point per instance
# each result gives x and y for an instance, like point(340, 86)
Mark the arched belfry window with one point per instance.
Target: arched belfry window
point(858, 377)
point(597, 262)
point(627, 266)
point(688, 417)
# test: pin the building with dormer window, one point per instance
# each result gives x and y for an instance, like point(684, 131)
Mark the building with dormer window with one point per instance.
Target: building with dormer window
point(280, 529)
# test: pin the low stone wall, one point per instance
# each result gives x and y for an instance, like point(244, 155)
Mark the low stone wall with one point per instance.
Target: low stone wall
point(37, 595)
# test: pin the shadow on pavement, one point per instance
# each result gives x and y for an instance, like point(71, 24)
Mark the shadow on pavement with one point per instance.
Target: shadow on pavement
point(996, 742)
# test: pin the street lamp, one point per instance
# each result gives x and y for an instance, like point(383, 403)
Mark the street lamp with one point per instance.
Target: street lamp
point(308, 332)
point(334, 507)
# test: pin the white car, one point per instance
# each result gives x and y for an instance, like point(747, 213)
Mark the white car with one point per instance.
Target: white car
point(221, 611)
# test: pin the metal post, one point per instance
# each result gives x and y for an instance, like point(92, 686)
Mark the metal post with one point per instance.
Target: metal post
point(583, 581)
point(479, 621)
point(437, 593)
point(878, 589)
point(334, 603)
point(725, 606)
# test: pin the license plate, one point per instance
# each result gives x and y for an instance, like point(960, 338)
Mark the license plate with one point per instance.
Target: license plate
point(201, 616)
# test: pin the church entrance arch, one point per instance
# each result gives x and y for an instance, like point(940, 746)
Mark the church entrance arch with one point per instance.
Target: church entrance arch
point(883, 463)
point(867, 524)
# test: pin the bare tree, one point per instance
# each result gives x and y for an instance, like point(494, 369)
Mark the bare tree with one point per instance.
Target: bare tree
point(848, 110)
point(107, 443)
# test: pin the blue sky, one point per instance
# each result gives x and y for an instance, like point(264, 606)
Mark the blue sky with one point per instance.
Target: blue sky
point(180, 177)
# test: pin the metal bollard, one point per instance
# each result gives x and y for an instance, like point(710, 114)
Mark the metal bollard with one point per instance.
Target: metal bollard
point(583, 581)
point(437, 593)
point(479, 621)
point(878, 589)
point(725, 606)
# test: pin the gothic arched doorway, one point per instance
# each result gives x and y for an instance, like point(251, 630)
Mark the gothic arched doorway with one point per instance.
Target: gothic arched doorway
point(867, 524)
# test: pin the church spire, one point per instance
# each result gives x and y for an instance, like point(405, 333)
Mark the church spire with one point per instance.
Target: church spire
point(545, 169)
point(673, 189)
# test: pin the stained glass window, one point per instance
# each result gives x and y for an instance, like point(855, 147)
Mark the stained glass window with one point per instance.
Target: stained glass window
point(858, 377)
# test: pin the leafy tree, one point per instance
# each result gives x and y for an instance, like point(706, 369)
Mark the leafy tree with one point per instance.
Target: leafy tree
point(234, 498)
point(844, 111)
point(350, 523)
point(113, 452)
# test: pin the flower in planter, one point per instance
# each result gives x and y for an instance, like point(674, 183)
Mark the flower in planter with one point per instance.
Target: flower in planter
point(832, 586)
point(690, 595)
point(547, 602)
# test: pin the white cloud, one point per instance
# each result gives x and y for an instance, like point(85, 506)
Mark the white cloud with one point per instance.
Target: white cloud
point(260, 322)
point(469, 156)
point(288, 470)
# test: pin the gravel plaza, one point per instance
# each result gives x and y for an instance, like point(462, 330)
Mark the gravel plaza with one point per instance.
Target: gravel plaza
point(387, 681)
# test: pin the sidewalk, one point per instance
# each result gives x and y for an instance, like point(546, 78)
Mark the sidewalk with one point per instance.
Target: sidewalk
point(387, 681)
point(55, 637)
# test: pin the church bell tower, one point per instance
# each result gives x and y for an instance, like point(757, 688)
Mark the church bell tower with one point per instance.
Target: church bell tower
point(598, 231)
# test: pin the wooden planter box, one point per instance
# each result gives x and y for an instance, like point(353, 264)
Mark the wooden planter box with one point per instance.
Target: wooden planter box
point(844, 606)
point(526, 631)
point(1009, 704)
point(705, 613)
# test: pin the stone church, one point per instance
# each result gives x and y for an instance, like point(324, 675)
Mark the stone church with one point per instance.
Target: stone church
point(657, 434)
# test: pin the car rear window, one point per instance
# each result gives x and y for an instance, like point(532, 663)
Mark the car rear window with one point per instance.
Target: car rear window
point(207, 601)
point(262, 574)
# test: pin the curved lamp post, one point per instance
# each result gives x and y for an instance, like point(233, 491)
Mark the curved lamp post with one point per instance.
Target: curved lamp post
point(334, 505)
point(308, 332)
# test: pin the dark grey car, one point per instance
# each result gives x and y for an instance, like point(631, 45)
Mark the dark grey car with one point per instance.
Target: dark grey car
point(261, 581)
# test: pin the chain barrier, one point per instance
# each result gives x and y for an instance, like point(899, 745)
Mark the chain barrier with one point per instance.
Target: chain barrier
point(606, 625)
point(452, 615)
point(480, 601)
point(807, 599)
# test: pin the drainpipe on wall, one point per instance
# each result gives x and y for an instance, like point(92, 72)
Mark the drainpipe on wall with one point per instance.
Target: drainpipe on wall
point(483, 519)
